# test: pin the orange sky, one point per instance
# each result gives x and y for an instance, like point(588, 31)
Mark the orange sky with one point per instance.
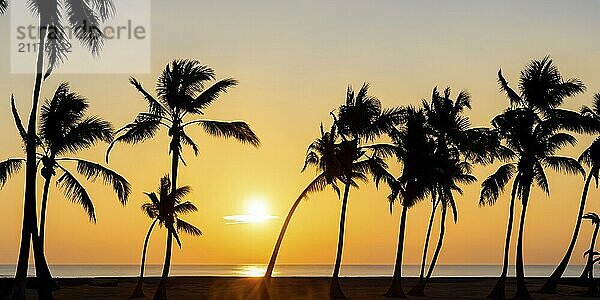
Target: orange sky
point(293, 62)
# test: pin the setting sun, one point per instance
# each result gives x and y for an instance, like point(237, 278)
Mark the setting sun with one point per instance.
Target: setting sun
point(256, 212)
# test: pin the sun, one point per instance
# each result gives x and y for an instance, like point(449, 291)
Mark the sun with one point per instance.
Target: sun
point(257, 211)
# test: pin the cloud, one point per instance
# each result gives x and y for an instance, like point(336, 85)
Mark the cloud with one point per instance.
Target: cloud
point(247, 219)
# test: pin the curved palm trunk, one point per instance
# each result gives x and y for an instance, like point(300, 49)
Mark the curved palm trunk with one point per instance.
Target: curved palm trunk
point(418, 289)
point(395, 289)
point(139, 288)
point(29, 228)
point(161, 292)
point(43, 212)
point(592, 287)
point(499, 289)
point(286, 223)
point(552, 282)
point(335, 291)
point(522, 292)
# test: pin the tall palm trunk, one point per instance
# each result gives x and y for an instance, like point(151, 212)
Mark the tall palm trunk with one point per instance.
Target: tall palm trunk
point(552, 282)
point(522, 292)
point(286, 223)
point(139, 288)
point(395, 289)
point(29, 228)
point(161, 292)
point(335, 291)
point(499, 289)
point(592, 287)
point(418, 289)
point(43, 211)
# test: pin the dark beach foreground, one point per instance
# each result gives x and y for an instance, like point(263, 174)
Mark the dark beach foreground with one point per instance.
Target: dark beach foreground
point(290, 288)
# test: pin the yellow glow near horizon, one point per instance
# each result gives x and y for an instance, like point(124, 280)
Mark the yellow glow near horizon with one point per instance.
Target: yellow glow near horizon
point(256, 212)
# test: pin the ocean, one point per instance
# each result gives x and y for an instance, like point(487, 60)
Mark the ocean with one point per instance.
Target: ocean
point(78, 271)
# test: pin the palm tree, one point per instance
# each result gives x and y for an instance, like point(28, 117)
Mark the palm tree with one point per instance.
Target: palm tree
point(360, 119)
point(165, 210)
point(588, 272)
point(590, 157)
point(321, 153)
point(181, 91)
point(79, 14)
point(533, 129)
point(64, 129)
point(415, 150)
point(450, 130)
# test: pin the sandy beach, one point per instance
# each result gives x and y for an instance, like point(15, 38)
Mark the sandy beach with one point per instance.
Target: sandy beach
point(292, 288)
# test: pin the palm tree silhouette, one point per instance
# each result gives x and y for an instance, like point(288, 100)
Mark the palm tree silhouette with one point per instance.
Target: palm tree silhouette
point(181, 91)
point(588, 271)
point(454, 141)
point(165, 209)
point(533, 129)
point(360, 119)
point(321, 154)
point(415, 150)
point(64, 129)
point(591, 158)
point(79, 14)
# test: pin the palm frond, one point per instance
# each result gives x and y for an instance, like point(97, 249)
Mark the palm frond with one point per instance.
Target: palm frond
point(92, 171)
point(86, 134)
point(211, 94)
point(3, 6)
point(564, 164)
point(185, 207)
point(136, 132)
point(494, 185)
point(540, 178)
point(510, 93)
point(154, 107)
point(8, 168)
point(187, 140)
point(86, 22)
point(150, 209)
point(237, 130)
point(187, 228)
point(17, 119)
point(75, 192)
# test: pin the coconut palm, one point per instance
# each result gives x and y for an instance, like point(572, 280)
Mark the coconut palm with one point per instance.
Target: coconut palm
point(415, 150)
point(588, 271)
point(451, 131)
point(182, 92)
point(165, 209)
point(360, 119)
point(64, 130)
point(79, 14)
point(591, 158)
point(321, 153)
point(533, 128)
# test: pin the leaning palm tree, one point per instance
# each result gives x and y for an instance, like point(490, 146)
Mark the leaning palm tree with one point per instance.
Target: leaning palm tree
point(588, 271)
point(321, 153)
point(591, 158)
point(182, 92)
point(165, 210)
point(535, 141)
point(533, 128)
point(80, 14)
point(360, 119)
point(415, 150)
point(65, 130)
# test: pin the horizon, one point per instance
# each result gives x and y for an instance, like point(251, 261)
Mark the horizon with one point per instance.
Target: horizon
point(294, 62)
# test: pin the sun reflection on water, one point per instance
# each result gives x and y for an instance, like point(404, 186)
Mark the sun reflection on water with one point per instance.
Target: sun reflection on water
point(252, 271)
